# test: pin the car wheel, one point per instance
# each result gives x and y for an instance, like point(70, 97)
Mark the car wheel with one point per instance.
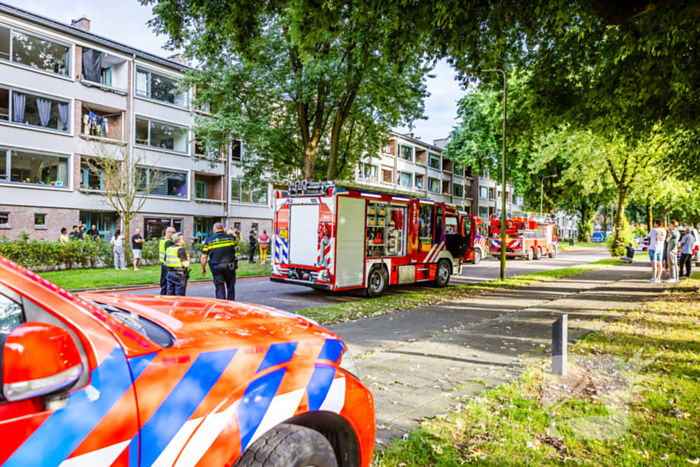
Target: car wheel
point(530, 254)
point(538, 255)
point(377, 282)
point(554, 252)
point(477, 256)
point(442, 273)
point(289, 446)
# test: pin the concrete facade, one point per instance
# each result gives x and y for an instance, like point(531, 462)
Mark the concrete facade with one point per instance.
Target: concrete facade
point(43, 162)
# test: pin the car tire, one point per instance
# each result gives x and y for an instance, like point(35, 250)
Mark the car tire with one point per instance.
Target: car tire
point(538, 255)
point(530, 254)
point(289, 446)
point(477, 256)
point(554, 252)
point(377, 282)
point(442, 274)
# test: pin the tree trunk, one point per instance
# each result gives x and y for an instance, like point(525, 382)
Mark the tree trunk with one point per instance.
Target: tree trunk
point(335, 143)
point(618, 243)
point(650, 216)
point(585, 228)
point(310, 161)
point(664, 211)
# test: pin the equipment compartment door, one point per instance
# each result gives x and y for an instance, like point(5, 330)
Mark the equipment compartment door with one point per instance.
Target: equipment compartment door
point(303, 234)
point(350, 242)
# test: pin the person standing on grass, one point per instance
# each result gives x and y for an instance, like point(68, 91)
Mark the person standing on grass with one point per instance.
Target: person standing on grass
point(163, 244)
point(118, 242)
point(253, 239)
point(672, 251)
point(687, 247)
point(137, 248)
point(177, 261)
point(657, 240)
point(64, 238)
point(264, 240)
point(220, 250)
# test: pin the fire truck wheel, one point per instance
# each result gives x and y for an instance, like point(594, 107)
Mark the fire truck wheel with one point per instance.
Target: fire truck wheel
point(477, 257)
point(442, 274)
point(538, 255)
point(554, 252)
point(289, 446)
point(378, 282)
point(530, 254)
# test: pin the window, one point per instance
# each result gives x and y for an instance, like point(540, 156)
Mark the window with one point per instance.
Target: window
point(387, 176)
point(237, 226)
point(200, 189)
point(435, 161)
point(425, 224)
point(490, 193)
point(486, 174)
point(434, 185)
point(406, 153)
point(406, 179)
point(90, 177)
point(11, 315)
point(4, 220)
point(39, 221)
point(457, 170)
point(242, 193)
point(154, 227)
point(386, 230)
point(458, 190)
point(34, 110)
point(451, 224)
point(161, 135)
point(236, 151)
point(484, 212)
point(254, 225)
point(163, 182)
point(438, 225)
point(33, 168)
point(205, 149)
point(420, 182)
point(483, 192)
point(369, 172)
point(34, 52)
point(159, 88)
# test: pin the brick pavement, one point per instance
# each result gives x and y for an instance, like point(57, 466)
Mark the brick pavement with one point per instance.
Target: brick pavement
point(422, 362)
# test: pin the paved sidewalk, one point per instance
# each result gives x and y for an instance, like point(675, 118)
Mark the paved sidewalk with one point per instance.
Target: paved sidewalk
point(423, 361)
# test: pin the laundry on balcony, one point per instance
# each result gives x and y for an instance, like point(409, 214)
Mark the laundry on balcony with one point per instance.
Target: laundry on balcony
point(96, 125)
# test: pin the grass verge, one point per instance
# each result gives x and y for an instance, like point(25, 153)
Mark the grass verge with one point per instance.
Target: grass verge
point(88, 278)
point(579, 246)
point(392, 303)
point(632, 398)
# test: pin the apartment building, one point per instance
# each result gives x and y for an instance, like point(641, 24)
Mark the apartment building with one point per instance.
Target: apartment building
point(410, 164)
point(66, 97)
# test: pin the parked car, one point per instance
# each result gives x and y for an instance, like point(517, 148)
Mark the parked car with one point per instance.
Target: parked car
point(106, 380)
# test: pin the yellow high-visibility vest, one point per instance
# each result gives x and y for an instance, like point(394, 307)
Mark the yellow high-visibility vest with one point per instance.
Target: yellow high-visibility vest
point(161, 249)
point(172, 260)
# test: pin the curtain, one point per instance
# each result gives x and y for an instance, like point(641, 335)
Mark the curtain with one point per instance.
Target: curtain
point(44, 106)
point(92, 65)
point(18, 101)
point(64, 112)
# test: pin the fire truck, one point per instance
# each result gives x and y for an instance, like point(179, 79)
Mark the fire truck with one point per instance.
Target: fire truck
point(345, 236)
point(528, 235)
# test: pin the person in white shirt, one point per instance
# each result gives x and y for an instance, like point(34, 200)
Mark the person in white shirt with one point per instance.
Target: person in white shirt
point(657, 243)
point(687, 247)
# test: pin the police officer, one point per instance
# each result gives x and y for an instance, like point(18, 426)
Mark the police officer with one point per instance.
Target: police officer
point(220, 249)
point(253, 239)
point(177, 261)
point(163, 244)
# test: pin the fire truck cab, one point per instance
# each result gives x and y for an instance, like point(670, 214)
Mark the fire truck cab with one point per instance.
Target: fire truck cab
point(528, 235)
point(343, 236)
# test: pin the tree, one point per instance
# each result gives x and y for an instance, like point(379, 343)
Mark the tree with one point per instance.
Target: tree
point(125, 185)
point(297, 80)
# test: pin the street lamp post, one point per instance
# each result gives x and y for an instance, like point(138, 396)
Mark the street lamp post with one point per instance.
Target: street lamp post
point(503, 174)
point(542, 189)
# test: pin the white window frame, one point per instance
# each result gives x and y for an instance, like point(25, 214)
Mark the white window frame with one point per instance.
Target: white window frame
point(165, 169)
point(363, 166)
point(240, 191)
point(148, 87)
point(410, 176)
point(430, 160)
point(439, 191)
point(413, 152)
point(10, 121)
point(155, 148)
point(12, 30)
point(8, 165)
point(455, 185)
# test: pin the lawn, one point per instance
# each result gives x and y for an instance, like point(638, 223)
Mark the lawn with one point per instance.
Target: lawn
point(430, 296)
point(579, 246)
point(632, 398)
point(88, 278)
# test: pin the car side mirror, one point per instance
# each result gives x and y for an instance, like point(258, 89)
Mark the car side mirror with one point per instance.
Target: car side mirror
point(38, 359)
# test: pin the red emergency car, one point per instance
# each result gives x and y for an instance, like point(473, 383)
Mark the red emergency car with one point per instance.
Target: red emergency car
point(346, 236)
point(106, 380)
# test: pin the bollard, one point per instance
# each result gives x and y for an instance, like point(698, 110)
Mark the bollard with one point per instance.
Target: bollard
point(559, 345)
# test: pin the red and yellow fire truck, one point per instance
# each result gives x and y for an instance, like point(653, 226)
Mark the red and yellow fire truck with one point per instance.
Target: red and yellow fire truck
point(528, 235)
point(344, 236)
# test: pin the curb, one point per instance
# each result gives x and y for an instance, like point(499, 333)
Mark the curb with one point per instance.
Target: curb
point(122, 288)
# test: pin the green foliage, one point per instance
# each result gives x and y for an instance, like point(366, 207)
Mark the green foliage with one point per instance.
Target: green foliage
point(617, 243)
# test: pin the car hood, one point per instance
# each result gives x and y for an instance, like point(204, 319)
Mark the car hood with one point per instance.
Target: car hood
point(199, 321)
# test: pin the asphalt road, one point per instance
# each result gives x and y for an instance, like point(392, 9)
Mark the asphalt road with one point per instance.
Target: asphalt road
point(293, 297)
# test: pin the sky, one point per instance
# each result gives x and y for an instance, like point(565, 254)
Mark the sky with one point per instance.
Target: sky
point(125, 21)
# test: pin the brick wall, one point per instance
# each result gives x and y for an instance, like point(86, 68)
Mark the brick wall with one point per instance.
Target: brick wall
point(263, 224)
point(22, 220)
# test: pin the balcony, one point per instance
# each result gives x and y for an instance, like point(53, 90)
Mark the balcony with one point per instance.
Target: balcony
point(104, 70)
point(100, 123)
point(208, 188)
point(421, 156)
